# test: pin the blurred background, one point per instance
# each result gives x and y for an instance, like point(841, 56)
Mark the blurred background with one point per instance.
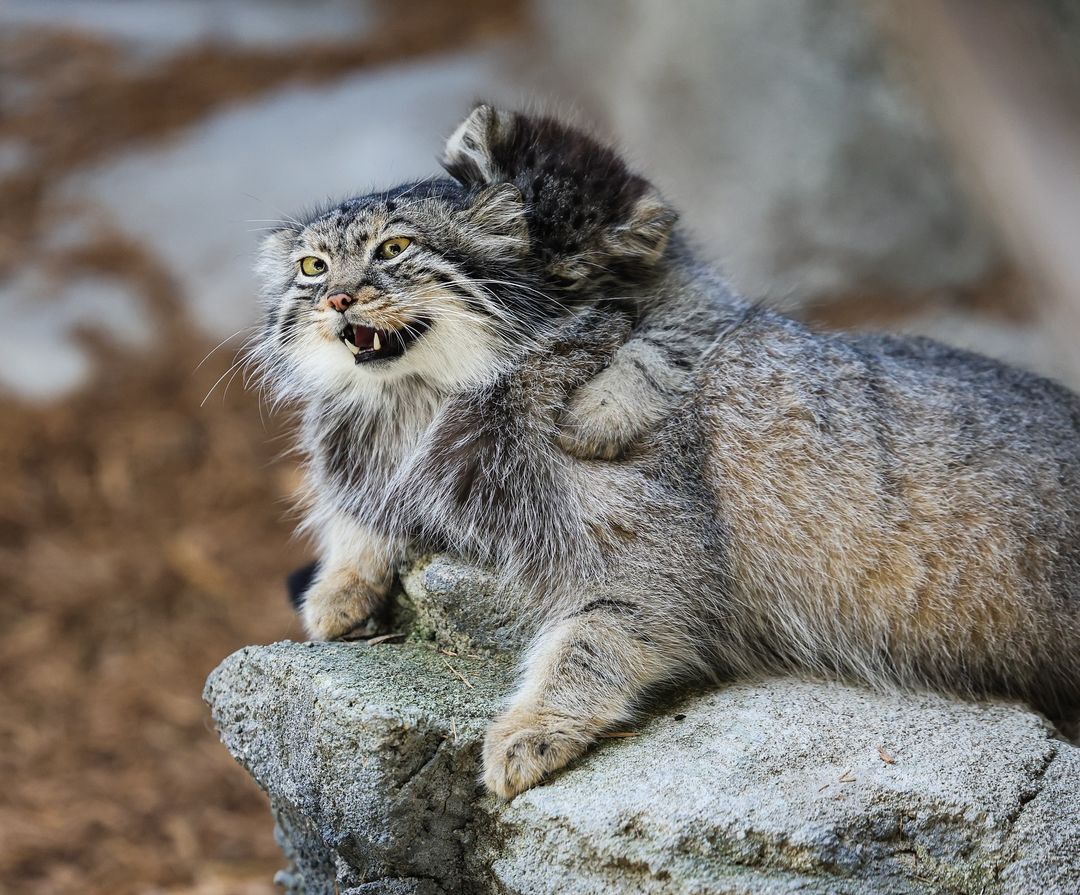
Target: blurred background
point(911, 166)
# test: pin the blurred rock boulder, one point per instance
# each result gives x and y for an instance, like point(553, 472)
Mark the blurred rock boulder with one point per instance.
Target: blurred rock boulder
point(800, 157)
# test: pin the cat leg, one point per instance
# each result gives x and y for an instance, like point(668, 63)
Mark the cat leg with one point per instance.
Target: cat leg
point(356, 570)
point(582, 676)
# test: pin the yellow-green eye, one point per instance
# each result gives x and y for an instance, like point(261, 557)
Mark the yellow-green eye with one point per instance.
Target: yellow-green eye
point(394, 247)
point(312, 266)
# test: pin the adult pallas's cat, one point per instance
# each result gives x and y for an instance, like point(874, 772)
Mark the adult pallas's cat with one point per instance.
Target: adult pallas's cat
point(525, 364)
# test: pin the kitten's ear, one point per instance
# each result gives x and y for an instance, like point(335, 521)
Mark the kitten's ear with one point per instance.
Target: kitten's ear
point(589, 209)
point(635, 238)
point(470, 153)
point(497, 214)
point(644, 234)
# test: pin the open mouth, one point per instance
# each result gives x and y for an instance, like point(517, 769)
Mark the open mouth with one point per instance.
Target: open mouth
point(367, 344)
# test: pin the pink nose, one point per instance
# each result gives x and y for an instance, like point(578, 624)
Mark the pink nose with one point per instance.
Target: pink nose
point(339, 301)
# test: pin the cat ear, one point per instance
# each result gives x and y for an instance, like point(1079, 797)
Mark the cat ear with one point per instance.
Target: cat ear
point(497, 215)
point(595, 210)
point(635, 238)
point(278, 242)
point(643, 235)
point(470, 153)
point(274, 254)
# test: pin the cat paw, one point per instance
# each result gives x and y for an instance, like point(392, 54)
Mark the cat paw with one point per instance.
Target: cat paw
point(521, 748)
point(596, 423)
point(343, 606)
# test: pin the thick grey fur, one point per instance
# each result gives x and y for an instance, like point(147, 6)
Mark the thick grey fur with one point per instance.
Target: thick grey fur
point(674, 482)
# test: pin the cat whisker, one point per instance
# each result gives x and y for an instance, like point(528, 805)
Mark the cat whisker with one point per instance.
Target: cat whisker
point(285, 217)
point(233, 366)
point(217, 346)
point(415, 186)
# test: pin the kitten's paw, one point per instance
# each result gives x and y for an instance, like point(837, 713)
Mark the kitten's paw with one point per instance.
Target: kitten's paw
point(343, 606)
point(521, 748)
point(598, 422)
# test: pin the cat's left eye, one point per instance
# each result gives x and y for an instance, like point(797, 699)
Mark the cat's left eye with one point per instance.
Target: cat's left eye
point(393, 247)
point(312, 266)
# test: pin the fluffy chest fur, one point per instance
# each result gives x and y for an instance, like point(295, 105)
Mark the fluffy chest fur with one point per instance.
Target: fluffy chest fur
point(357, 448)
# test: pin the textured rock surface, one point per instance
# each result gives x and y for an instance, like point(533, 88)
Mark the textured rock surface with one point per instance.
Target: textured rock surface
point(457, 606)
point(370, 756)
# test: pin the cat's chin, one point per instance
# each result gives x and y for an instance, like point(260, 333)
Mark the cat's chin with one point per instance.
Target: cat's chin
point(368, 345)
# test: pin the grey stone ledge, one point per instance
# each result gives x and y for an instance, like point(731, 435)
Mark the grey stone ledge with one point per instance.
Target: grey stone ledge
point(370, 755)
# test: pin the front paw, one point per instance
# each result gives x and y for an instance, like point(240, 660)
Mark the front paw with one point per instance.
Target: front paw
point(598, 423)
point(522, 747)
point(343, 606)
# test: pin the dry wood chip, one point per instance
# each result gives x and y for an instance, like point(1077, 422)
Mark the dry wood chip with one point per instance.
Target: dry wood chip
point(385, 638)
point(458, 674)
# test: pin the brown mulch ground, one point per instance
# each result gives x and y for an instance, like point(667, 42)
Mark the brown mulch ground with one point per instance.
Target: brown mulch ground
point(143, 535)
point(142, 539)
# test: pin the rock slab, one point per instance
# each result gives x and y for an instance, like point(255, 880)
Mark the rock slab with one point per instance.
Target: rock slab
point(370, 756)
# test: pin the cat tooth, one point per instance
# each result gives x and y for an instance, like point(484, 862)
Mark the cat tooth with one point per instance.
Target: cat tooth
point(351, 347)
point(375, 343)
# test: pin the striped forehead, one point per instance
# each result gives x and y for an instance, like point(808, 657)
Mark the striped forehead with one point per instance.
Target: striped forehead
point(348, 229)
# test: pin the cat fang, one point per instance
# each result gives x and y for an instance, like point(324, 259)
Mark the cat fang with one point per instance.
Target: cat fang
point(367, 344)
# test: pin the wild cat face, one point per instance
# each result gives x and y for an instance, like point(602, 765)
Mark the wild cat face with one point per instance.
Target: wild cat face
point(446, 279)
point(414, 281)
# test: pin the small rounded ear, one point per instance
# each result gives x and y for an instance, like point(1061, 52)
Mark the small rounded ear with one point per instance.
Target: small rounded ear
point(470, 153)
point(497, 213)
point(278, 242)
point(274, 254)
point(645, 232)
point(638, 238)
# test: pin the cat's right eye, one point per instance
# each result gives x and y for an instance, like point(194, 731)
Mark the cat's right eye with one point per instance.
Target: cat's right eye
point(312, 266)
point(393, 247)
